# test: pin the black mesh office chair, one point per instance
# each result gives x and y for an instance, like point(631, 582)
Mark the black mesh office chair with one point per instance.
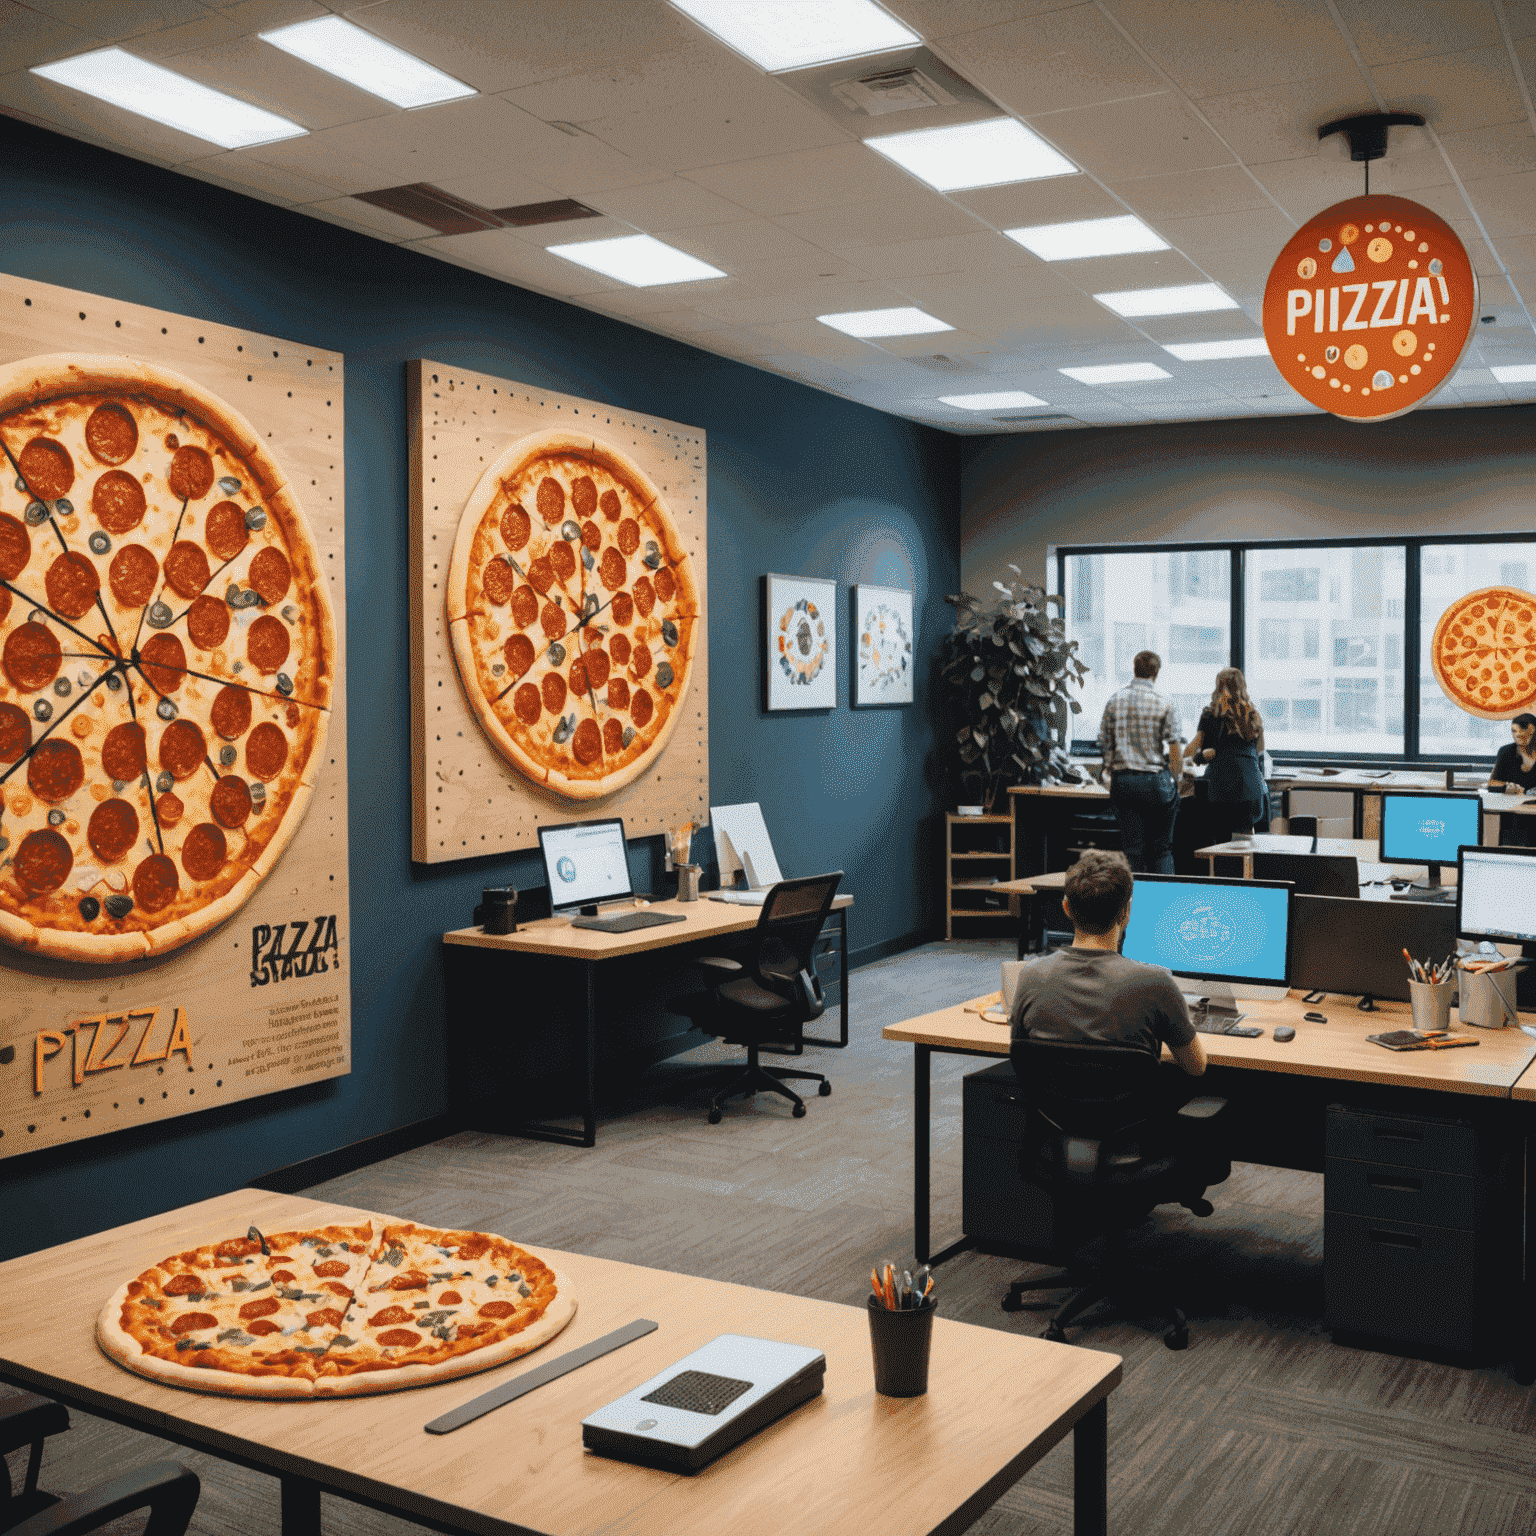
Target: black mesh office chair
point(1104, 1142)
point(773, 995)
point(167, 1489)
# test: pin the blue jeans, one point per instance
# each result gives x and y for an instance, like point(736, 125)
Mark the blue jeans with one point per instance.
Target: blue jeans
point(1145, 805)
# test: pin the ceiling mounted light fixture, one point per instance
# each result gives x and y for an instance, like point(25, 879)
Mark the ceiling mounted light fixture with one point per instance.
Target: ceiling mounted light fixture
point(1210, 351)
point(642, 261)
point(1121, 236)
point(998, 400)
point(1515, 373)
point(368, 62)
point(992, 153)
point(779, 35)
point(1117, 373)
point(869, 323)
point(1182, 299)
point(122, 80)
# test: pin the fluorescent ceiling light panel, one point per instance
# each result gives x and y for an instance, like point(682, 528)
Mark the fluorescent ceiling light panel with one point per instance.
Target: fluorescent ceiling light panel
point(122, 80)
point(1117, 373)
point(1515, 373)
point(1210, 351)
point(1183, 299)
point(866, 323)
point(639, 260)
point(793, 34)
point(988, 154)
point(998, 400)
point(1088, 237)
point(366, 61)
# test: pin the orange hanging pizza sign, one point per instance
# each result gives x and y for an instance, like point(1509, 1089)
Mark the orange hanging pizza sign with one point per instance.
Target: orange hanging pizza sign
point(1369, 307)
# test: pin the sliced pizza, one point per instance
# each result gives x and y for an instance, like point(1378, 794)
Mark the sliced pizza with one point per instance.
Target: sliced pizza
point(1483, 652)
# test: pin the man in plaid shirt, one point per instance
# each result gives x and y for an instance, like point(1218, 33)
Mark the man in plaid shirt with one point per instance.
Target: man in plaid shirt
point(1143, 791)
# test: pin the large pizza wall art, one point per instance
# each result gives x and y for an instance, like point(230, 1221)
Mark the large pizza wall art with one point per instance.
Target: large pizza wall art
point(1484, 652)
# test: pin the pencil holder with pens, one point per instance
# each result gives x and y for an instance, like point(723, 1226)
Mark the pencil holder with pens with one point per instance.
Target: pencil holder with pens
point(901, 1341)
point(1431, 1004)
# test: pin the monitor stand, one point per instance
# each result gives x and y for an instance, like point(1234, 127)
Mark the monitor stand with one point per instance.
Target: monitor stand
point(1215, 999)
point(1427, 890)
point(1212, 1010)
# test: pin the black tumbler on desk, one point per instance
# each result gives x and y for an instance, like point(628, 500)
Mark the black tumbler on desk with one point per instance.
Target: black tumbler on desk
point(901, 1341)
point(497, 912)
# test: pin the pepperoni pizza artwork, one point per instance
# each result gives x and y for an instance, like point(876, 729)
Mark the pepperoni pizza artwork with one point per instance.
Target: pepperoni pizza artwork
point(1484, 652)
point(167, 657)
point(573, 610)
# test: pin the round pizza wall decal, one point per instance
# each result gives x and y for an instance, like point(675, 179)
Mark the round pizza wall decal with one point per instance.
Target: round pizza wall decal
point(167, 654)
point(573, 613)
point(803, 642)
point(1370, 306)
point(1484, 652)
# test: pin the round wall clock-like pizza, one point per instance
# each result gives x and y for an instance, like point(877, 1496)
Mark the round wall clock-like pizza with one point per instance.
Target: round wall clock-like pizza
point(803, 642)
point(573, 612)
point(167, 654)
point(1484, 652)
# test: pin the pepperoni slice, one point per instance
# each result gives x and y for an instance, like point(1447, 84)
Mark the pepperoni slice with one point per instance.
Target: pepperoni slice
point(609, 502)
point(186, 568)
point(583, 496)
point(163, 660)
point(399, 1338)
point(230, 804)
point(498, 1309)
point(231, 713)
point(132, 575)
point(182, 749)
point(15, 732)
point(47, 468)
point(592, 536)
point(450, 1299)
point(411, 1280)
point(266, 644)
point(266, 752)
point(191, 474)
point(32, 656)
point(551, 501)
point(553, 691)
point(204, 852)
point(323, 1317)
point(516, 525)
point(613, 737)
point(43, 862)
point(155, 883)
point(525, 606)
point(111, 433)
point(389, 1316)
point(191, 1322)
point(123, 755)
point(331, 1267)
point(262, 1327)
point(619, 646)
point(666, 585)
point(224, 531)
point(519, 653)
point(640, 707)
point(264, 1306)
point(208, 622)
point(612, 570)
point(623, 609)
point(475, 1246)
point(169, 810)
point(5, 603)
point(587, 743)
point(628, 536)
point(645, 596)
point(71, 583)
point(542, 574)
point(595, 663)
point(552, 618)
point(497, 580)
point(336, 1288)
point(562, 561)
point(117, 500)
point(579, 678)
point(527, 705)
point(186, 1285)
point(15, 546)
point(270, 575)
point(640, 660)
point(618, 693)
point(55, 770)
point(113, 830)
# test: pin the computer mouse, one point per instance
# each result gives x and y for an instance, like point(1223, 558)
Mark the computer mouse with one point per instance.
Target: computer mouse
point(1284, 1032)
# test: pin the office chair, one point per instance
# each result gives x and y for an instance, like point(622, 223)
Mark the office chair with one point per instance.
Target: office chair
point(768, 999)
point(1102, 1144)
point(168, 1490)
point(1301, 826)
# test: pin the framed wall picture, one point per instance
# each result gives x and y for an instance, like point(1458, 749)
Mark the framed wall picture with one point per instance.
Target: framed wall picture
point(882, 637)
point(800, 652)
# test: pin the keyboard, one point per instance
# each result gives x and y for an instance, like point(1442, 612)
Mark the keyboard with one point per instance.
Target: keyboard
point(627, 922)
point(1227, 1027)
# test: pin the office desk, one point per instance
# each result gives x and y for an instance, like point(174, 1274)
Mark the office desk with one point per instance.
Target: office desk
point(848, 1462)
point(555, 938)
point(1333, 1055)
point(1363, 850)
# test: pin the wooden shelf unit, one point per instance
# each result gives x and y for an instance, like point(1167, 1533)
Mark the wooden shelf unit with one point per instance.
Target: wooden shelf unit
point(978, 852)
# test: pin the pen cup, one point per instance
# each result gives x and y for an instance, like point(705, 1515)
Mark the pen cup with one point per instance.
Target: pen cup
point(1431, 1003)
point(900, 1341)
point(498, 910)
point(1487, 999)
point(688, 881)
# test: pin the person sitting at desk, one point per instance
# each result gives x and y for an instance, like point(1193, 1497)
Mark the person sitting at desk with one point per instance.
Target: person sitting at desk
point(1143, 793)
point(1230, 738)
point(1514, 770)
point(1090, 991)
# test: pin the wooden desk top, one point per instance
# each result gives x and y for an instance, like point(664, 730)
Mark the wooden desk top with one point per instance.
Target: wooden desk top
point(1525, 1085)
point(1337, 1049)
point(848, 1462)
point(1363, 849)
point(555, 936)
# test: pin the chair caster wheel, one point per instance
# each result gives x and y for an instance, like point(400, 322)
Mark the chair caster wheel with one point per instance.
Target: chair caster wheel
point(714, 1117)
point(1054, 1334)
point(825, 1090)
point(1177, 1338)
point(798, 1111)
point(1201, 1208)
point(1013, 1302)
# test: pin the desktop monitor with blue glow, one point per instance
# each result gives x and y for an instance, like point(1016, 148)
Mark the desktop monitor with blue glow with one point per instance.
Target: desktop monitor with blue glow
point(1428, 829)
point(585, 863)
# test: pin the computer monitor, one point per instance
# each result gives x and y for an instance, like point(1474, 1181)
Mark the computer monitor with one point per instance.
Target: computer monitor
point(1313, 874)
point(585, 862)
point(1355, 948)
point(1428, 829)
point(1230, 935)
point(1496, 895)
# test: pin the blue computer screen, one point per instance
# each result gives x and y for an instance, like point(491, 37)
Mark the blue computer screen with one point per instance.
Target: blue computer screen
point(1428, 829)
point(1221, 930)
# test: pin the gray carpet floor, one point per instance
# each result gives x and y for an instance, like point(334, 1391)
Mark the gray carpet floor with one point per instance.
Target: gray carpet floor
point(1263, 1425)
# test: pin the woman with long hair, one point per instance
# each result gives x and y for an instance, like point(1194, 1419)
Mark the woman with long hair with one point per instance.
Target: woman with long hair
point(1230, 739)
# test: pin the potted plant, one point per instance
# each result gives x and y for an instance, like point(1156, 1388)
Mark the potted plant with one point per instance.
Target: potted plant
point(1012, 670)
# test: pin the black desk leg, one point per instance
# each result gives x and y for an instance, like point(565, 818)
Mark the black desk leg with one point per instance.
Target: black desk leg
point(841, 915)
point(536, 1130)
point(1525, 1342)
point(301, 1507)
point(1090, 1472)
point(921, 1113)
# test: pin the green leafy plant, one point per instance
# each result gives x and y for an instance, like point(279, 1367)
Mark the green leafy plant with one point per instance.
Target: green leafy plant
point(1012, 669)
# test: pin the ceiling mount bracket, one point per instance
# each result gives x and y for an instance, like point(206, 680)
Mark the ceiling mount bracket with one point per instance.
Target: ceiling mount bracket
point(1367, 131)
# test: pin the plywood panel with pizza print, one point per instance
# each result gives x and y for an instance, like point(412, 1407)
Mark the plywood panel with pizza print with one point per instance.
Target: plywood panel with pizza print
point(260, 1001)
point(468, 798)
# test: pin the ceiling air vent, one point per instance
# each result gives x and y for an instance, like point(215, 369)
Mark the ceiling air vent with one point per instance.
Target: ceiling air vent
point(893, 90)
point(940, 363)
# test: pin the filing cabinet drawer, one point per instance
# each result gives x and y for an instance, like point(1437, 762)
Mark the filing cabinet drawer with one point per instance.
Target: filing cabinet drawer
point(1402, 1141)
point(1421, 1195)
point(990, 1104)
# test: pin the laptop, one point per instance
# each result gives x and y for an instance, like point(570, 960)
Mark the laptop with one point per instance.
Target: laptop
point(586, 864)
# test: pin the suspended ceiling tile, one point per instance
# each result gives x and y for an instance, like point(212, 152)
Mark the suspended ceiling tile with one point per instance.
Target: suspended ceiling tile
point(115, 20)
point(774, 185)
point(677, 322)
point(318, 158)
point(784, 274)
point(1505, 204)
point(772, 309)
point(350, 214)
point(1223, 189)
point(959, 342)
point(1221, 325)
point(1141, 269)
point(736, 244)
point(235, 168)
point(809, 338)
point(1304, 187)
point(1455, 91)
point(672, 203)
point(1519, 252)
point(1253, 227)
point(919, 215)
point(1066, 58)
point(1280, 122)
point(570, 232)
point(1389, 31)
point(945, 19)
point(1142, 137)
point(1242, 273)
point(1000, 292)
point(1056, 200)
point(1480, 153)
point(496, 252)
point(1060, 320)
point(1414, 163)
point(983, 252)
point(35, 37)
point(264, 15)
point(206, 31)
point(500, 186)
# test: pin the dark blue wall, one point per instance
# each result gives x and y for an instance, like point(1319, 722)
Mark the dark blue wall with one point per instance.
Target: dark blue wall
point(799, 482)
